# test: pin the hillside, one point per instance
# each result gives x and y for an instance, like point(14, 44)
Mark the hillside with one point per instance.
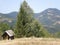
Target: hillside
point(49, 18)
point(9, 18)
point(31, 41)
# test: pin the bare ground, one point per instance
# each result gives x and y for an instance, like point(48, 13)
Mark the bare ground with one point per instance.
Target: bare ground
point(31, 41)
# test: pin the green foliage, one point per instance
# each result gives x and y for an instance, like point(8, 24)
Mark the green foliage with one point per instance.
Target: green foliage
point(26, 25)
point(4, 27)
point(57, 35)
point(38, 30)
point(24, 19)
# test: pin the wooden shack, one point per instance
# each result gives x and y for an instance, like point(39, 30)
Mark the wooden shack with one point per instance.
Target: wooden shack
point(8, 34)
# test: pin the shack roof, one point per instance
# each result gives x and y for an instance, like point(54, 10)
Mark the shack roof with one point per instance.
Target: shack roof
point(10, 32)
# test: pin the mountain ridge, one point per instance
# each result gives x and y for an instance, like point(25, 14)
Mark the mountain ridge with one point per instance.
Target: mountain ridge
point(49, 18)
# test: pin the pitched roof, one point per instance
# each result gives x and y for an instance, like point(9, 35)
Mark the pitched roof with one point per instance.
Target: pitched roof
point(10, 32)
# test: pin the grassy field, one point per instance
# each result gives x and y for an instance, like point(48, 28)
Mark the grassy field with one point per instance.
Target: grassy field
point(31, 41)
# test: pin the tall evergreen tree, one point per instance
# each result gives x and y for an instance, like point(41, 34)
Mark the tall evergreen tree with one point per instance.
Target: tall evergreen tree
point(26, 25)
point(24, 19)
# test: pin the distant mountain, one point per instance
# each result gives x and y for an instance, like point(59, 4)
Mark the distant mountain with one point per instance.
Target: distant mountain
point(9, 15)
point(49, 18)
point(9, 18)
point(12, 15)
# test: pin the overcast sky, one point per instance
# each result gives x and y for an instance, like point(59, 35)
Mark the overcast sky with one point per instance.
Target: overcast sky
point(7, 6)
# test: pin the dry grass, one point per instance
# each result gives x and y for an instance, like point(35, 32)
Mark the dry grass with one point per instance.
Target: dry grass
point(31, 41)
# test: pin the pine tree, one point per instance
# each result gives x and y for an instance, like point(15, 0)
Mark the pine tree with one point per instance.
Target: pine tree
point(24, 19)
point(26, 25)
point(38, 30)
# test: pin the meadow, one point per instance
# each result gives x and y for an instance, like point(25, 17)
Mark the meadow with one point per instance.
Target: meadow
point(31, 41)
